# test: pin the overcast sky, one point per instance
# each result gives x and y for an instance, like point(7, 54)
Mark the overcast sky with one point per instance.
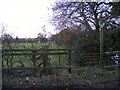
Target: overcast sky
point(25, 18)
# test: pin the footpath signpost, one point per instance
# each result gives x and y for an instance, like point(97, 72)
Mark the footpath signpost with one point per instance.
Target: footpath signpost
point(101, 41)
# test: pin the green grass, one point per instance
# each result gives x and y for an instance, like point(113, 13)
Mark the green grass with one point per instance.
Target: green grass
point(95, 74)
point(32, 46)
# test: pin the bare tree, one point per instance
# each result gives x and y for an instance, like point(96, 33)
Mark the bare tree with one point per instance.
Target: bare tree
point(6, 44)
point(83, 14)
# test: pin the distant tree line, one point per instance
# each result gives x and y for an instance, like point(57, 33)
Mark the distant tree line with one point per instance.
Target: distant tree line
point(8, 38)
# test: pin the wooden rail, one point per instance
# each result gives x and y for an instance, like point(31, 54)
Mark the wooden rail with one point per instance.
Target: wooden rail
point(91, 58)
point(111, 67)
point(22, 68)
point(37, 50)
point(29, 54)
point(51, 67)
point(112, 52)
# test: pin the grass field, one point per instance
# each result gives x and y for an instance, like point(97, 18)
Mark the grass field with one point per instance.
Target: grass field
point(32, 46)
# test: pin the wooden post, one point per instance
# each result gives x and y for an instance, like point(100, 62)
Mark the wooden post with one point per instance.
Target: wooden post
point(2, 61)
point(59, 60)
point(83, 57)
point(101, 41)
point(101, 46)
point(69, 61)
point(34, 58)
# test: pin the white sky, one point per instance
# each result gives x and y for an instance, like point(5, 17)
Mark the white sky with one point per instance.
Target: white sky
point(25, 18)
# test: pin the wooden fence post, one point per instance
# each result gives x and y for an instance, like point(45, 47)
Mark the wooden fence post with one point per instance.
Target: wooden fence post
point(69, 61)
point(34, 58)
